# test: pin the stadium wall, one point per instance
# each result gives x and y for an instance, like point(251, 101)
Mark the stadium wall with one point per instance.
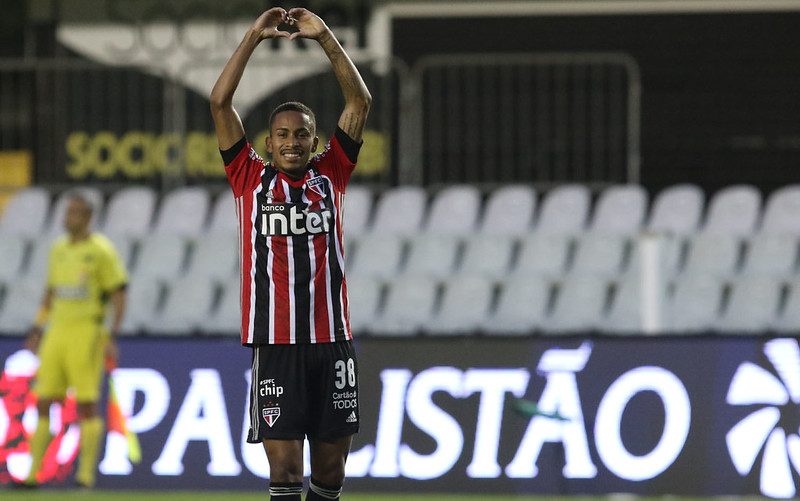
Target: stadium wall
point(701, 415)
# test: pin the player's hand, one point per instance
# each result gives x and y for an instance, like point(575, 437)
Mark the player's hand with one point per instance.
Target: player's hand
point(267, 23)
point(32, 341)
point(309, 24)
point(111, 355)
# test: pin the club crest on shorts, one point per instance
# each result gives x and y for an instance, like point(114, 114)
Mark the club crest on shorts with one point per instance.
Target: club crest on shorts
point(271, 414)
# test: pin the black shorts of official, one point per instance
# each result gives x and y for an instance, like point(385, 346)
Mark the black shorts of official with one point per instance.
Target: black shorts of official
point(303, 390)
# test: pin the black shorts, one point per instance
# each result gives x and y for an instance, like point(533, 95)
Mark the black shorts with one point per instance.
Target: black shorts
point(300, 390)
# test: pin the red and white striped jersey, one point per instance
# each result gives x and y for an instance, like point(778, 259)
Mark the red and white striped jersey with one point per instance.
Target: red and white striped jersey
point(293, 287)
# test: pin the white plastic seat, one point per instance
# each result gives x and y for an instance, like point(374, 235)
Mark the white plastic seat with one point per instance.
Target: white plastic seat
point(752, 305)
point(602, 254)
point(124, 246)
point(364, 299)
point(781, 210)
point(92, 195)
point(142, 301)
point(771, 254)
point(376, 256)
point(694, 304)
point(12, 256)
point(186, 307)
point(670, 249)
point(399, 211)
point(222, 220)
point(432, 256)
point(579, 306)
point(214, 256)
point(564, 210)
point(409, 306)
point(619, 210)
point(709, 253)
point(677, 209)
point(465, 303)
point(454, 211)
point(522, 305)
point(21, 301)
point(734, 210)
point(26, 213)
point(226, 318)
point(788, 319)
point(183, 212)
point(38, 259)
point(509, 210)
point(357, 210)
point(161, 256)
point(625, 313)
point(487, 254)
point(129, 212)
point(546, 255)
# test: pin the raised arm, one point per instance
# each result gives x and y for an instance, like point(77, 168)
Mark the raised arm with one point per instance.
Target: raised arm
point(357, 98)
point(226, 120)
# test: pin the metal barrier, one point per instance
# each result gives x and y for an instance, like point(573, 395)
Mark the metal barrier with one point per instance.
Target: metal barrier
point(524, 118)
point(478, 119)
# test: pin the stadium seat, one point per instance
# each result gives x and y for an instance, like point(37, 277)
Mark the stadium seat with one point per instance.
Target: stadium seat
point(579, 306)
point(399, 211)
point(710, 253)
point(619, 210)
point(93, 195)
point(222, 220)
point(183, 212)
point(677, 210)
point(781, 210)
point(546, 255)
point(38, 259)
point(788, 319)
point(12, 256)
point(694, 304)
point(602, 254)
point(466, 301)
point(26, 213)
point(214, 256)
point(487, 254)
point(129, 212)
point(564, 210)
point(752, 305)
point(143, 296)
point(453, 211)
point(509, 210)
point(625, 313)
point(378, 256)
point(226, 318)
point(357, 210)
point(670, 250)
point(186, 307)
point(771, 254)
point(21, 301)
point(522, 305)
point(160, 256)
point(734, 210)
point(432, 256)
point(409, 305)
point(364, 299)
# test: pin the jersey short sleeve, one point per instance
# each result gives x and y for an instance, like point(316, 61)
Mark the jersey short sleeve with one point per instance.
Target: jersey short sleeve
point(338, 159)
point(111, 271)
point(243, 166)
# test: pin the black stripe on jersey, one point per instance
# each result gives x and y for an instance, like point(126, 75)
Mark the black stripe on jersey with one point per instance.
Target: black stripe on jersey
point(261, 316)
point(301, 246)
point(336, 288)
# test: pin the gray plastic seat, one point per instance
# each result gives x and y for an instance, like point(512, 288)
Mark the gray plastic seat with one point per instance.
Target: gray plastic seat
point(509, 210)
point(487, 255)
point(546, 255)
point(619, 210)
point(378, 256)
point(734, 210)
point(214, 256)
point(466, 301)
point(409, 305)
point(602, 254)
point(522, 305)
point(432, 256)
point(222, 219)
point(781, 210)
point(185, 309)
point(142, 302)
point(454, 211)
point(771, 254)
point(564, 210)
point(677, 209)
point(709, 253)
point(694, 304)
point(26, 213)
point(183, 212)
point(13, 250)
point(129, 212)
point(364, 299)
point(357, 210)
point(752, 305)
point(21, 301)
point(226, 318)
point(626, 311)
point(788, 319)
point(579, 306)
point(161, 257)
point(399, 211)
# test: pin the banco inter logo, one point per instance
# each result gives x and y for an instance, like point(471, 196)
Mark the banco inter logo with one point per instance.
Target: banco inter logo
point(772, 428)
point(280, 220)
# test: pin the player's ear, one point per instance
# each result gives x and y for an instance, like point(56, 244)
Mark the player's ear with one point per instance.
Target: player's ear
point(315, 144)
point(268, 144)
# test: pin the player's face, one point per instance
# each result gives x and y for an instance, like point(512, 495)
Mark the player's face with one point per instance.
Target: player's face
point(291, 142)
point(77, 217)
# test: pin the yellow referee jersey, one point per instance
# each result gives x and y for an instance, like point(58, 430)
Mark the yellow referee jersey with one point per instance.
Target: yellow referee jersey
point(82, 275)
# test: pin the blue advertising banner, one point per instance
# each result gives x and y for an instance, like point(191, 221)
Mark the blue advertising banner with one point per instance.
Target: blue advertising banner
point(708, 415)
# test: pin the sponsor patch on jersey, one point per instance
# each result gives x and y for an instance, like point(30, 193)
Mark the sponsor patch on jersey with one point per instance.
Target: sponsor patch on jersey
point(281, 220)
point(271, 414)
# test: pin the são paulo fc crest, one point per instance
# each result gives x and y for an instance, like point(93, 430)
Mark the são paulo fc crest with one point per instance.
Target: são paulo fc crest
point(271, 414)
point(317, 185)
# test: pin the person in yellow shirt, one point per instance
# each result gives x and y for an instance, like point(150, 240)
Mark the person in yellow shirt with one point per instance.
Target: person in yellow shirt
point(85, 275)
